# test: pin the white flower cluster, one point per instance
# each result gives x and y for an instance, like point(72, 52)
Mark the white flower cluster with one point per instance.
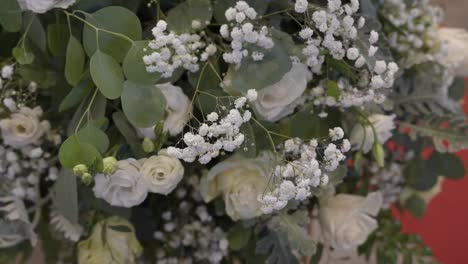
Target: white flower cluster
point(23, 160)
point(334, 31)
point(216, 134)
point(170, 51)
point(302, 170)
point(245, 38)
point(389, 181)
point(417, 39)
point(190, 230)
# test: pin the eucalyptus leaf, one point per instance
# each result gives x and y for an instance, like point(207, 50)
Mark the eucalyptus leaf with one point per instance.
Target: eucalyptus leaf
point(10, 15)
point(114, 19)
point(238, 237)
point(94, 136)
point(129, 133)
point(181, 16)
point(416, 205)
point(106, 74)
point(77, 93)
point(144, 105)
point(75, 61)
point(447, 164)
point(74, 152)
point(134, 67)
point(22, 55)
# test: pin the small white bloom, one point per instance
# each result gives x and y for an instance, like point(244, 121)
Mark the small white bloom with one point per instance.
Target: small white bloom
point(252, 95)
point(301, 6)
point(7, 71)
point(374, 37)
point(352, 53)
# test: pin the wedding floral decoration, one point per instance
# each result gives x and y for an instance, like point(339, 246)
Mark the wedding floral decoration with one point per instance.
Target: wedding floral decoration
point(225, 131)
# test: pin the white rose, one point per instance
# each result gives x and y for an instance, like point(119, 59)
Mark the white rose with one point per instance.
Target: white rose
point(126, 187)
point(455, 55)
point(347, 220)
point(240, 181)
point(42, 6)
point(364, 138)
point(279, 100)
point(162, 172)
point(23, 127)
point(178, 109)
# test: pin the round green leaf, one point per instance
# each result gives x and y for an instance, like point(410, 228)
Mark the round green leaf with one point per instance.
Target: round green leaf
point(447, 164)
point(419, 176)
point(180, 17)
point(10, 15)
point(116, 19)
point(75, 60)
point(22, 56)
point(134, 67)
point(238, 237)
point(106, 74)
point(74, 152)
point(260, 74)
point(209, 79)
point(415, 204)
point(94, 136)
point(144, 105)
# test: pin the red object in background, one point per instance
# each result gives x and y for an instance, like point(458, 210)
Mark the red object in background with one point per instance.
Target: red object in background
point(444, 226)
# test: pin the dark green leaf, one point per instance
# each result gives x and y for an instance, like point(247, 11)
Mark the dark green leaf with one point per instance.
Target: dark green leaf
point(77, 94)
point(129, 133)
point(342, 67)
point(419, 176)
point(106, 74)
point(238, 236)
point(56, 34)
point(332, 89)
point(94, 136)
point(65, 196)
point(416, 206)
point(75, 60)
point(447, 164)
point(22, 55)
point(10, 15)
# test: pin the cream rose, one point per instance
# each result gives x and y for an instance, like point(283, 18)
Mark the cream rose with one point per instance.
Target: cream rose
point(42, 6)
point(240, 181)
point(279, 100)
point(178, 110)
point(126, 187)
point(455, 55)
point(363, 138)
point(162, 172)
point(23, 127)
point(112, 240)
point(347, 220)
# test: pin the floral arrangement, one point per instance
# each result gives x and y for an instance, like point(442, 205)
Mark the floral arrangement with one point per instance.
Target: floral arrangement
point(225, 131)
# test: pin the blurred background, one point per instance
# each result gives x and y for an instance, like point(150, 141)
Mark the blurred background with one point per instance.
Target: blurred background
point(443, 227)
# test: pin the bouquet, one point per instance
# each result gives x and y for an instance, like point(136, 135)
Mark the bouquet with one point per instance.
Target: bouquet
point(224, 131)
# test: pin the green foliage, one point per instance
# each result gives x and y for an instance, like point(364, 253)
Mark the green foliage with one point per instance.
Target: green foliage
point(332, 89)
point(144, 105)
point(56, 34)
point(22, 55)
point(65, 196)
point(447, 165)
point(277, 248)
point(10, 15)
point(419, 176)
point(95, 137)
point(210, 80)
point(293, 228)
point(458, 89)
point(260, 74)
point(128, 132)
point(423, 91)
point(74, 151)
point(238, 237)
point(343, 68)
point(124, 23)
point(134, 67)
point(415, 205)
point(181, 16)
point(77, 93)
point(451, 130)
point(75, 61)
point(106, 74)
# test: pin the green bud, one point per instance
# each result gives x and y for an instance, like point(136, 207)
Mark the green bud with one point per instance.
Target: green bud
point(358, 159)
point(109, 164)
point(159, 129)
point(86, 178)
point(80, 169)
point(379, 154)
point(148, 145)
